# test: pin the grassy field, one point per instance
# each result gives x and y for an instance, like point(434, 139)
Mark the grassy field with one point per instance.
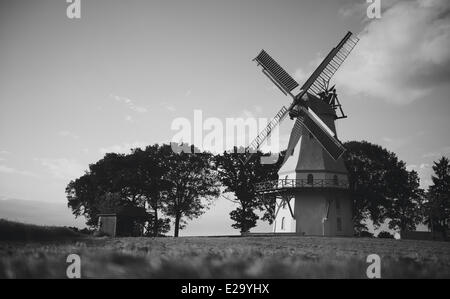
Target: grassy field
point(227, 257)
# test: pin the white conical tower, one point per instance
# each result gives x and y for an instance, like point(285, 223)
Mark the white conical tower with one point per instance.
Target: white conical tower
point(314, 198)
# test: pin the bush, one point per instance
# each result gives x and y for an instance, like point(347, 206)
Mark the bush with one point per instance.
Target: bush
point(100, 234)
point(365, 234)
point(84, 231)
point(16, 231)
point(385, 235)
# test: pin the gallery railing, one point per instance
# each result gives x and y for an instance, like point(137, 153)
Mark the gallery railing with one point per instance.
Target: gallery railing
point(301, 183)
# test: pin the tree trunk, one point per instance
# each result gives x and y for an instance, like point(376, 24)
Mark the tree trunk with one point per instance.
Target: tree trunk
point(177, 224)
point(155, 223)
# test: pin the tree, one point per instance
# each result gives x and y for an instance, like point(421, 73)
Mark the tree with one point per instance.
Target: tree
point(241, 179)
point(438, 208)
point(406, 209)
point(180, 185)
point(87, 194)
point(385, 235)
point(81, 196)
point(157, 226)
point(134, 179)
point(149, 170)
point(108, 203)
point(377, 178)
point(193, 186)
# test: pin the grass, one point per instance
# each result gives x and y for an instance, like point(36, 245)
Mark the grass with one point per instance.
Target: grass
point(249, 257)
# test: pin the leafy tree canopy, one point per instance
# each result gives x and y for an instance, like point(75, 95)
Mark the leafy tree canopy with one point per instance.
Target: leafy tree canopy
point(381, 187)
point(240, 180)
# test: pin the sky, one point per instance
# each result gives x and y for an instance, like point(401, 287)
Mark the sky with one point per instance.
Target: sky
point(118, 77)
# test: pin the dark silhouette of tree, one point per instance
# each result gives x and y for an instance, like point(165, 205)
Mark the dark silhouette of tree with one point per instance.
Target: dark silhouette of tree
point(437, 214)
point(134, 179)
point(385, 235)
point(406, 210)
point(157, 178)
point(86, 194)
point(149, 167)
point(380, 186)
point(109, 203)
point(193, 185)
point(241, 179)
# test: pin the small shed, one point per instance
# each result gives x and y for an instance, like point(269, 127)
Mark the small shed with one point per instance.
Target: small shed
point(125, 221)
point(107, 224)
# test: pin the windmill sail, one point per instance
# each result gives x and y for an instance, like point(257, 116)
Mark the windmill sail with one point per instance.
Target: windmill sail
point(257, 142)
point(315, 85)
point(276, 73)
point(325, 71)
point(321, 132)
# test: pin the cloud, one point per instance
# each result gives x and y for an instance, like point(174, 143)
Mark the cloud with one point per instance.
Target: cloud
point(424, 171)
point(38, 212)
point(63, 168)
point(445, 151)
point(349, 8)
point(302, 74)
point(258, 109)
point(168, 106)
point(411, 167)
point(122, 148)
point(3, 153)
point(402, 56)
point(395, 143)
point(9, 170)
point(246, 114)
point(68, 134)
point(129, 118)
point(255, 112)
point(131, 105)
point(424, 165)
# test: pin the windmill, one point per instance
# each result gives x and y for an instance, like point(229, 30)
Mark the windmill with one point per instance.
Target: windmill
point(316, 85)
point(311, 193)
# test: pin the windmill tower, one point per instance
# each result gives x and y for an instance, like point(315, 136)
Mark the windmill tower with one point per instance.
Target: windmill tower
point(312, 196)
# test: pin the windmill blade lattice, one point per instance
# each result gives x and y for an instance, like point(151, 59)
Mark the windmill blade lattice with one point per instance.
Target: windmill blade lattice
point(276, 73)
point(317, 82)
point(256, 143)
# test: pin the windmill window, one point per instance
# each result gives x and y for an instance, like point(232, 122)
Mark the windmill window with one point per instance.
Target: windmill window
point(335, 180)
point(339, 224)
point(282, 223)
point(310, 179)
